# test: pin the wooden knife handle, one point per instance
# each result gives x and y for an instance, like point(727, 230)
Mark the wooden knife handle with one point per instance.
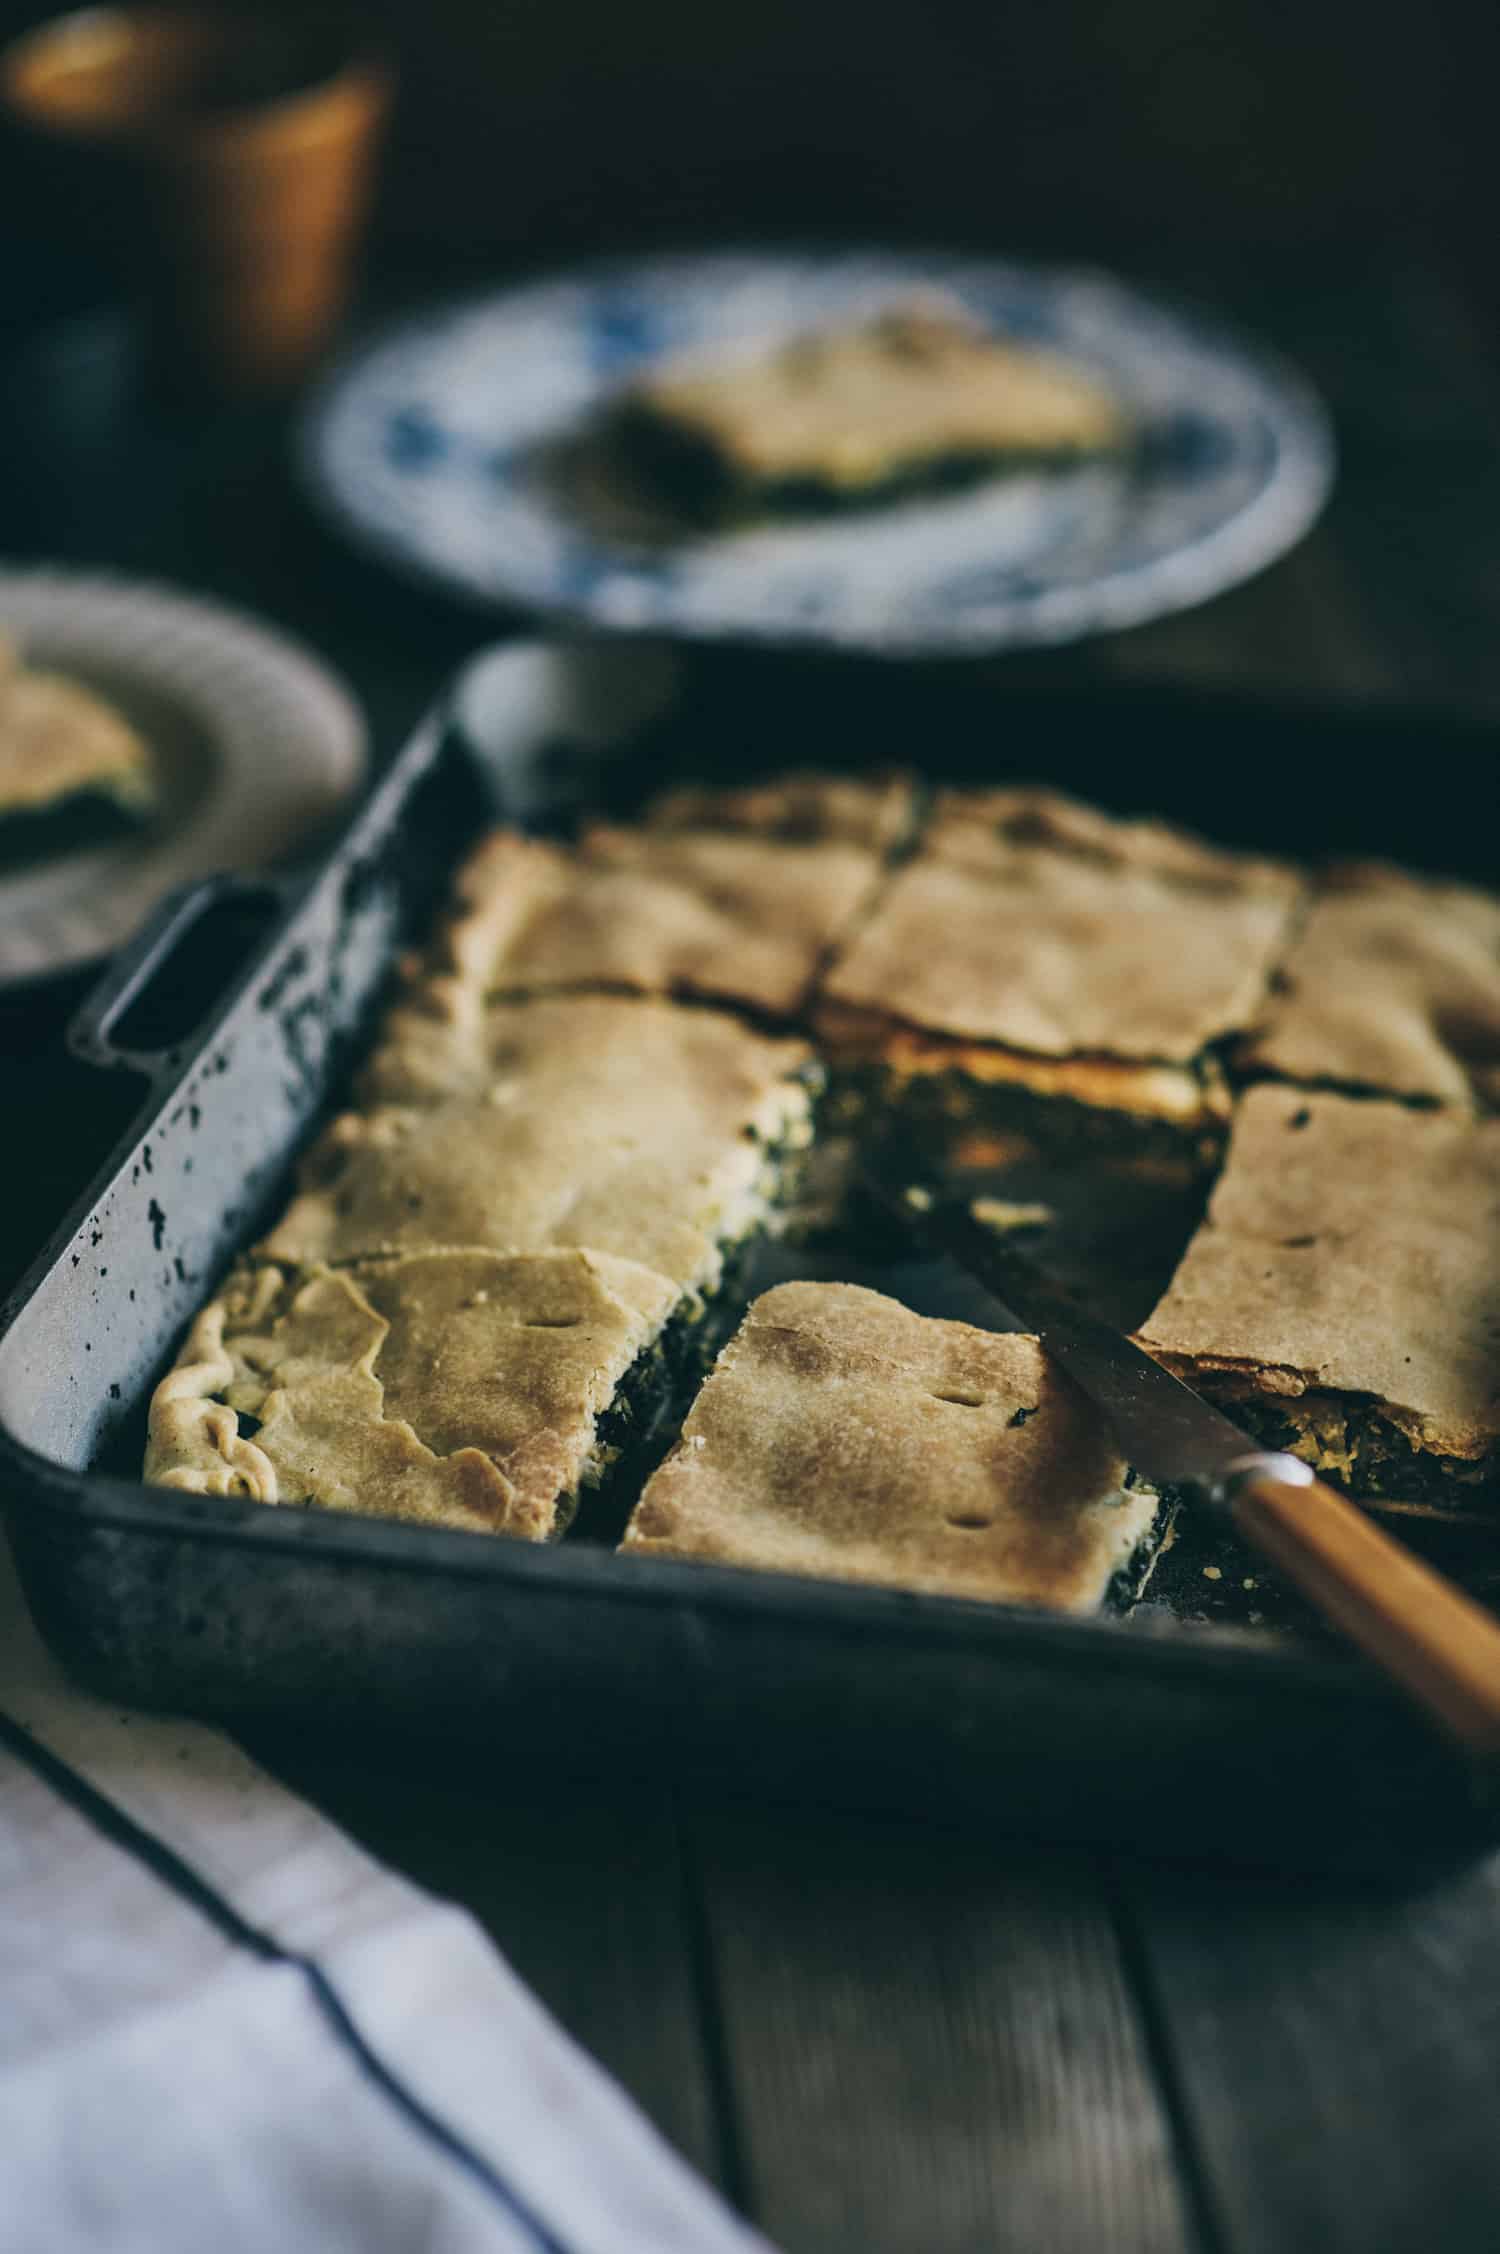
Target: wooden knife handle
point(1441, 1646)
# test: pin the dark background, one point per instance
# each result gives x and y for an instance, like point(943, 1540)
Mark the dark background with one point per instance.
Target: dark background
point(1158, 129)
point(1165, 133)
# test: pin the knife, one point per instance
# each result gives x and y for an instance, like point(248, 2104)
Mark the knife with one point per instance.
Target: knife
point(1439, 1644)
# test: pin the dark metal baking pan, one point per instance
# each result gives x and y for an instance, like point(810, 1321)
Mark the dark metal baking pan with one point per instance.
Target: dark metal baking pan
point(1205, 1734)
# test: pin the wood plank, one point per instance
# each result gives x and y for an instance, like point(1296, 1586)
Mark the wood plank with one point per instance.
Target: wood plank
point(1016, 126)
point(929, 2043)
point(1333, 2050)
point(581, 1890)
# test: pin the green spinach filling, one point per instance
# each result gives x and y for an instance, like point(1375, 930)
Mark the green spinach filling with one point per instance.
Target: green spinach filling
point(1371, 1459)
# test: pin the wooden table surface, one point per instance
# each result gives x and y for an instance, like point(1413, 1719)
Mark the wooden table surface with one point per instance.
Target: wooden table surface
point(878, 2036)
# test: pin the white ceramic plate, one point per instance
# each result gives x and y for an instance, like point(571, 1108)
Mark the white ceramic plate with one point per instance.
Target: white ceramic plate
point(446, 446)
point(254, 743)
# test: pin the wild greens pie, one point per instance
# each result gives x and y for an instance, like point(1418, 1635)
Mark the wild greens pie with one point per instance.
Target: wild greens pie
point(512, 1258)
point(1342, 1298)
point(1035, 951)
point(841, 1435)
point(918, 396)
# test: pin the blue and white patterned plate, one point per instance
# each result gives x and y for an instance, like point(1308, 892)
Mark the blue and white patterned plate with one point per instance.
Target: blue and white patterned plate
point(449, 446)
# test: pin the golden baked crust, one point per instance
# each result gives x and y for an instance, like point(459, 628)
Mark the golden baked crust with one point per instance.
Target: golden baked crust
point(456, 1389)
point(1393, 986)
point(58, 739)
point(464, 1279)
point(436, 1042)
point(803, 807)
point(1350, 1249)
point(851, 408)
point(627, 1127)
point(980, 826)
point(842, 1435)
point(443, 1041)
point(1053, 931)
point(717, 912)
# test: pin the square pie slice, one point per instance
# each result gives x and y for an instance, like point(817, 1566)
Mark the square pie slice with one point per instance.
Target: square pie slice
point(648, 1132)
point(1342, 1298)
point(1391, 988)
point(1035, 948)
point(460, 1389)
point(721, 906)
point(841, 1435)
point(918, 395)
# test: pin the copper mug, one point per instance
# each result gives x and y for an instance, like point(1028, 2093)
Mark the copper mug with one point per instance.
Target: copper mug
point(244, 152)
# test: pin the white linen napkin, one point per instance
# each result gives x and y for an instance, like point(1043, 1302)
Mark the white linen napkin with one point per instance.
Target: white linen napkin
point(224, 2029)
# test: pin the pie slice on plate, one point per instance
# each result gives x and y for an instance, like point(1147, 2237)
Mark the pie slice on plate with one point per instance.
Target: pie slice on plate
point(920, 396)
point(73, 771)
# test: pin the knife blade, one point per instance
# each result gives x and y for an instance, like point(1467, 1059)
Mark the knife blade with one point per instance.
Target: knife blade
point(1441, 1646)
point(1165, 1431)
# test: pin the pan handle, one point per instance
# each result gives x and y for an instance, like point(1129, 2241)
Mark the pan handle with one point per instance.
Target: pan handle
point(148, 957)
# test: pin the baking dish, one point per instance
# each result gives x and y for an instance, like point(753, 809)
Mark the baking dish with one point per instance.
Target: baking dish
point(1213, 1736)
